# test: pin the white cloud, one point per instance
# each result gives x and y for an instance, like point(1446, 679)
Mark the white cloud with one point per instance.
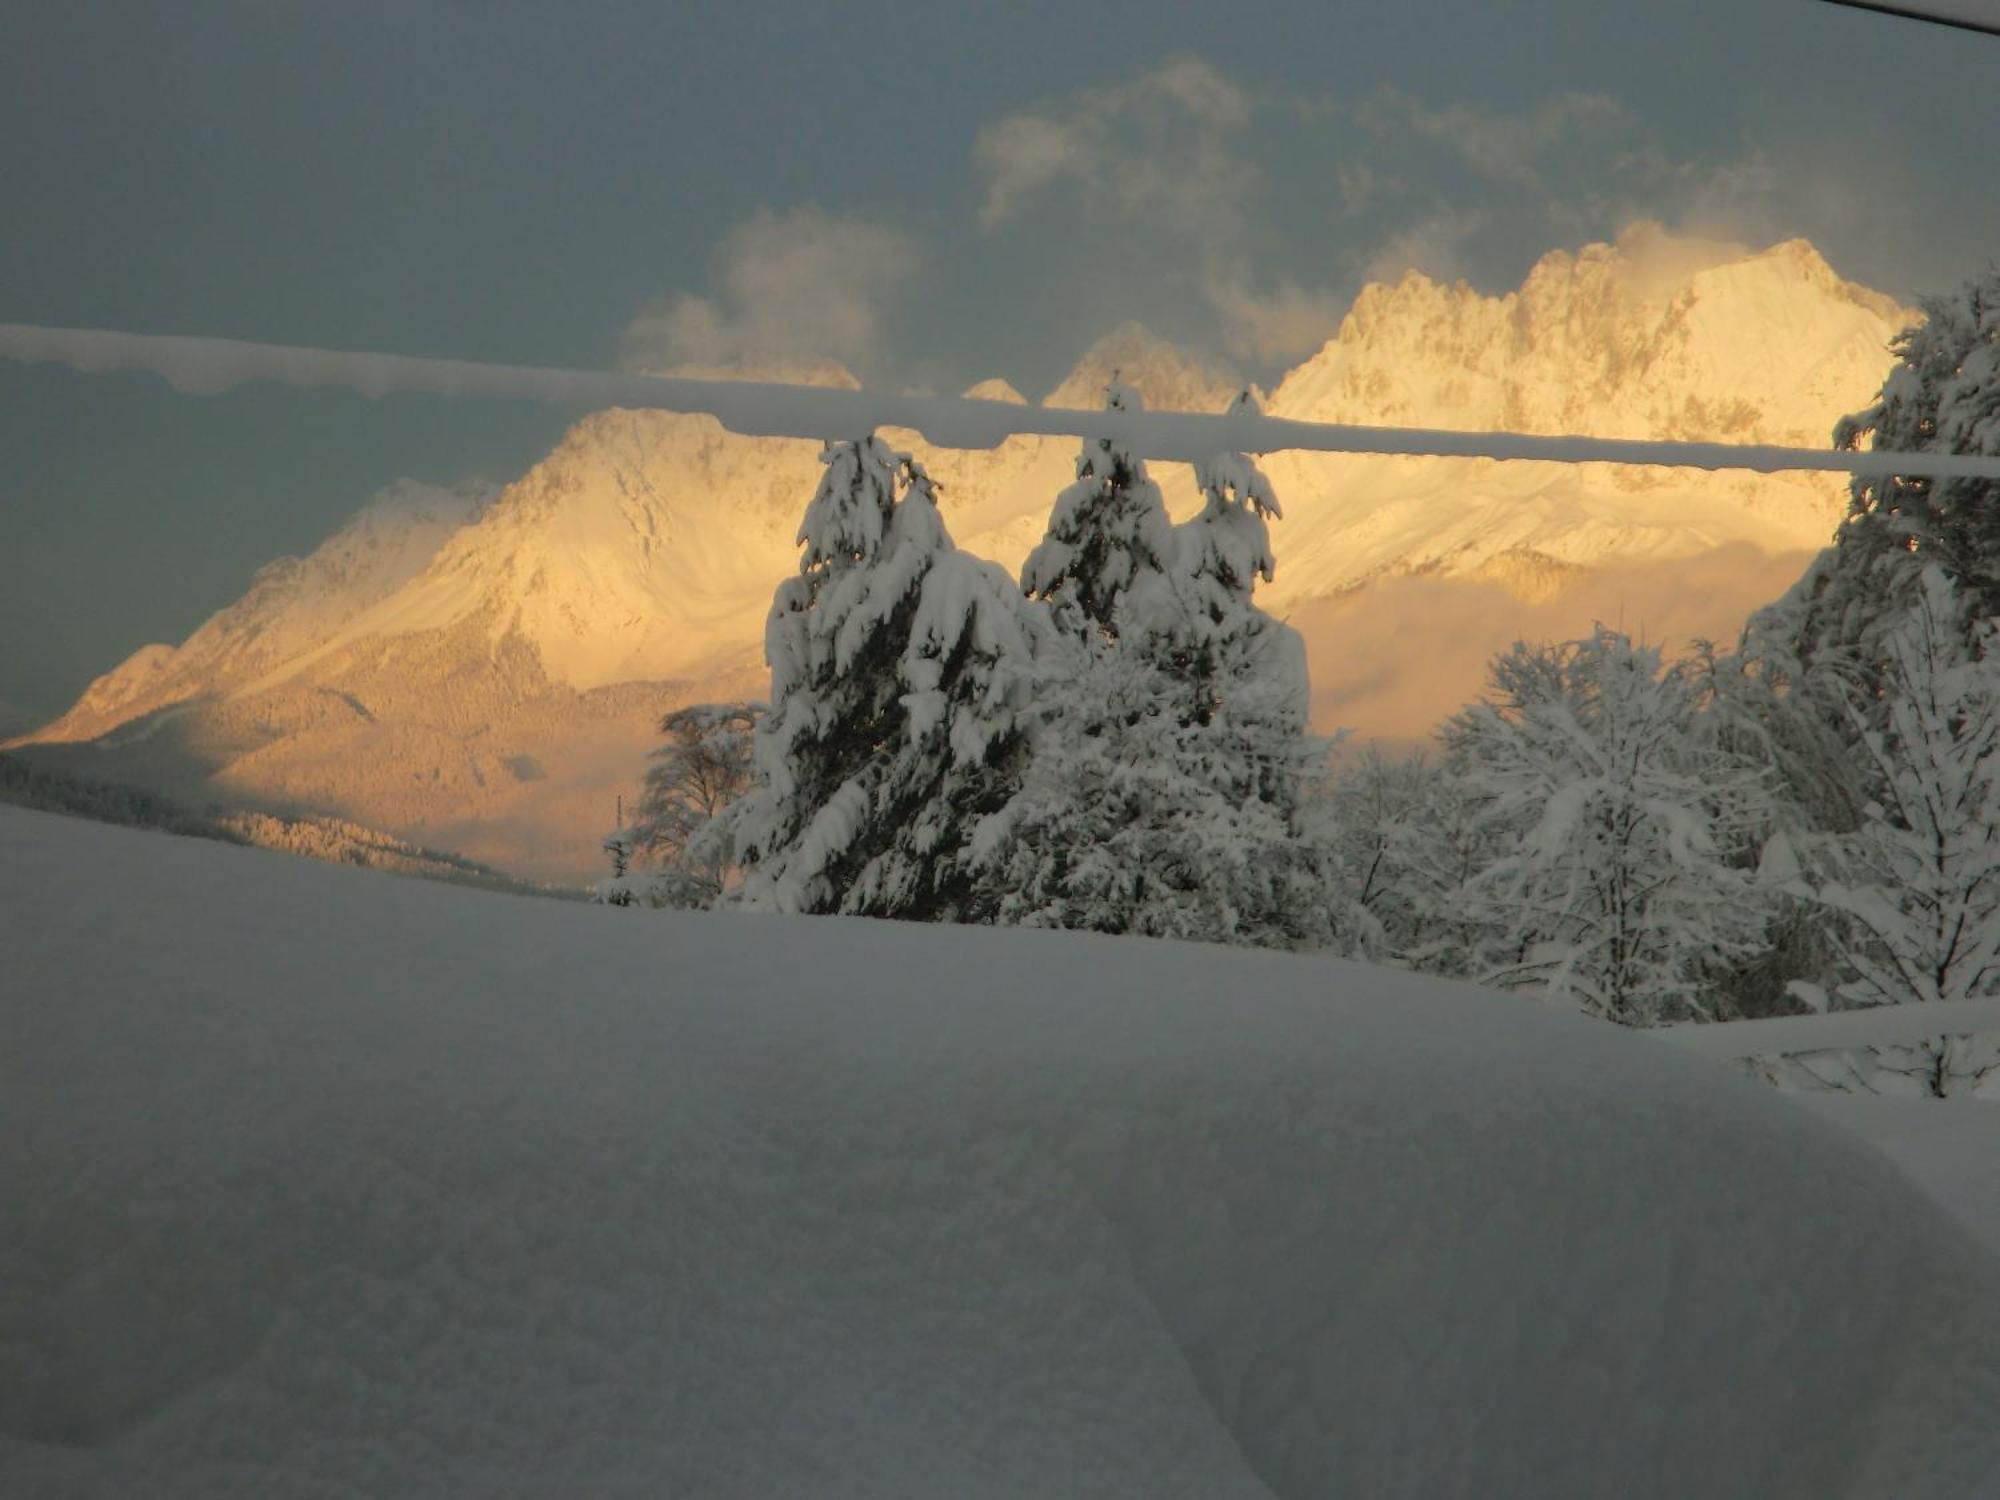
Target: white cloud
point(1162, 145)
point(1434, 245)
point(1279, 326)
point(799, 285)
point(1164, 171)
point(1503, 146)
point(1172, 175)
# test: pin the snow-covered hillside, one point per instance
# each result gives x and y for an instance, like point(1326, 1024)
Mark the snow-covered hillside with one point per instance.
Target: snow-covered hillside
point(292, 607)
point(406, 682)
point(325, 1183)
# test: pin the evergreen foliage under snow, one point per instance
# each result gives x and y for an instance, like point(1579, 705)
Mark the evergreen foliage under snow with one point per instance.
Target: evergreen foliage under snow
point(899, 671)
point(1106, 563)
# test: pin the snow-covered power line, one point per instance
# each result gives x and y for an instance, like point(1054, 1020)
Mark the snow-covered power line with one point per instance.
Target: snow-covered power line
point(763, 409)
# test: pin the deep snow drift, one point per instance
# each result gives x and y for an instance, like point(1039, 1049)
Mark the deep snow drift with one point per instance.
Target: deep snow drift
point(324, 1183)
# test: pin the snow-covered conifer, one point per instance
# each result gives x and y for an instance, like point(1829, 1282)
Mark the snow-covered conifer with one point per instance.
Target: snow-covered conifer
point(1813, 682)
point(617, 888)
point(1220, 642)
point(1942, 395)
point(1135, 818)
point(835, 699)
point(1611, 823)
point(1919, 881)
point(969, 674)
point(1105, 564)
point(899, 668)
point(1165, 790)
point(1226, 549)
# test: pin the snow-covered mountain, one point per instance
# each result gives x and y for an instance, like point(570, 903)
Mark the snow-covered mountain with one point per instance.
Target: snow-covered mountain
point(483, 672)
point(1651, 337)
point(293, 605)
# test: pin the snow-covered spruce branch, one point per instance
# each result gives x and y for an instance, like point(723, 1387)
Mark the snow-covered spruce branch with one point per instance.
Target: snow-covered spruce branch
point(205, 366)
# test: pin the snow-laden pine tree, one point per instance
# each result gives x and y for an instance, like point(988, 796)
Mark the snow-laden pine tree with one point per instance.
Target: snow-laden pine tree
point(1105, 565)
point(1611, 822)
point(1232, 653)
point(970, 676)
point(1164, 792)
point(835, 709)
point(1136, 818)
point(1224, 550)
point(1919, 881)
point(1825, 638)
point(900, 669)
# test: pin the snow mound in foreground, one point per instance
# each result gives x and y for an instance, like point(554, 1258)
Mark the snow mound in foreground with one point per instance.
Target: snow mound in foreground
point(325, 1183)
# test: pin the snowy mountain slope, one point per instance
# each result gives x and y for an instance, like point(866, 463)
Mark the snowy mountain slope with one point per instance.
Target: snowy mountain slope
point(1650, 337)
point(291, 606)
point(329, 1183)
point(396, 683)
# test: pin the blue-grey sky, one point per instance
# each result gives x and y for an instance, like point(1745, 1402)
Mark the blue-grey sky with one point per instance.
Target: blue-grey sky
point(931, 193)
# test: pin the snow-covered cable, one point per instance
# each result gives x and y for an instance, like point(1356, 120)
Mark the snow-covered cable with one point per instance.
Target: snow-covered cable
point(761, 409)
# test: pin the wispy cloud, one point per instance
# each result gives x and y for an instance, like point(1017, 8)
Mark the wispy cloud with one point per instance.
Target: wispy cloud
point(1190, 182)
point(1501, 146)
point(1435, 246)
point(798, 285)
point(1161, 145)
point(1279, 325)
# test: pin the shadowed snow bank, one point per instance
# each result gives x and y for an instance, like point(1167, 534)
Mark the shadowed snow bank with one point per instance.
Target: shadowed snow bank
point(323, 1183)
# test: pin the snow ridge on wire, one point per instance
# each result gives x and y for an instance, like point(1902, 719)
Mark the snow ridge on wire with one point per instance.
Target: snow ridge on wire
point(205, 366)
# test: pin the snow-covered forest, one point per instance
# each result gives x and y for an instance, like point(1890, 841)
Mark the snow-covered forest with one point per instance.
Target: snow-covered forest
point(1808, 819)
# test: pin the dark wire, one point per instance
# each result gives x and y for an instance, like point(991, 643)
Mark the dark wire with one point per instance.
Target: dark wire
point(1912, 13)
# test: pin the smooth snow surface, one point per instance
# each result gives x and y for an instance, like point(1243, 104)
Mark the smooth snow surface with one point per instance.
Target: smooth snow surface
point(1950, 1148)
point(323, 1183)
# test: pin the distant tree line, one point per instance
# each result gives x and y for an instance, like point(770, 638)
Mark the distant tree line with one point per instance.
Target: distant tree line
point(24, 783)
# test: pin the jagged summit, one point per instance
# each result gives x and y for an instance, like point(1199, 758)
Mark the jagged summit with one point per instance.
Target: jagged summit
point(1650, 337)
point(995, 390)
point(1167, 376)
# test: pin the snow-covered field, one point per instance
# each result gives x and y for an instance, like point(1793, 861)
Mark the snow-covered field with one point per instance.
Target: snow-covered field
point(318, 1182)
point(1950, 1148)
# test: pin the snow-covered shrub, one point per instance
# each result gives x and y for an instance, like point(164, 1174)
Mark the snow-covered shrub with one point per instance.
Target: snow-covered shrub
point(1609, 823)
point(1405, 840)
point(1918, 882)
point(675, 853)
